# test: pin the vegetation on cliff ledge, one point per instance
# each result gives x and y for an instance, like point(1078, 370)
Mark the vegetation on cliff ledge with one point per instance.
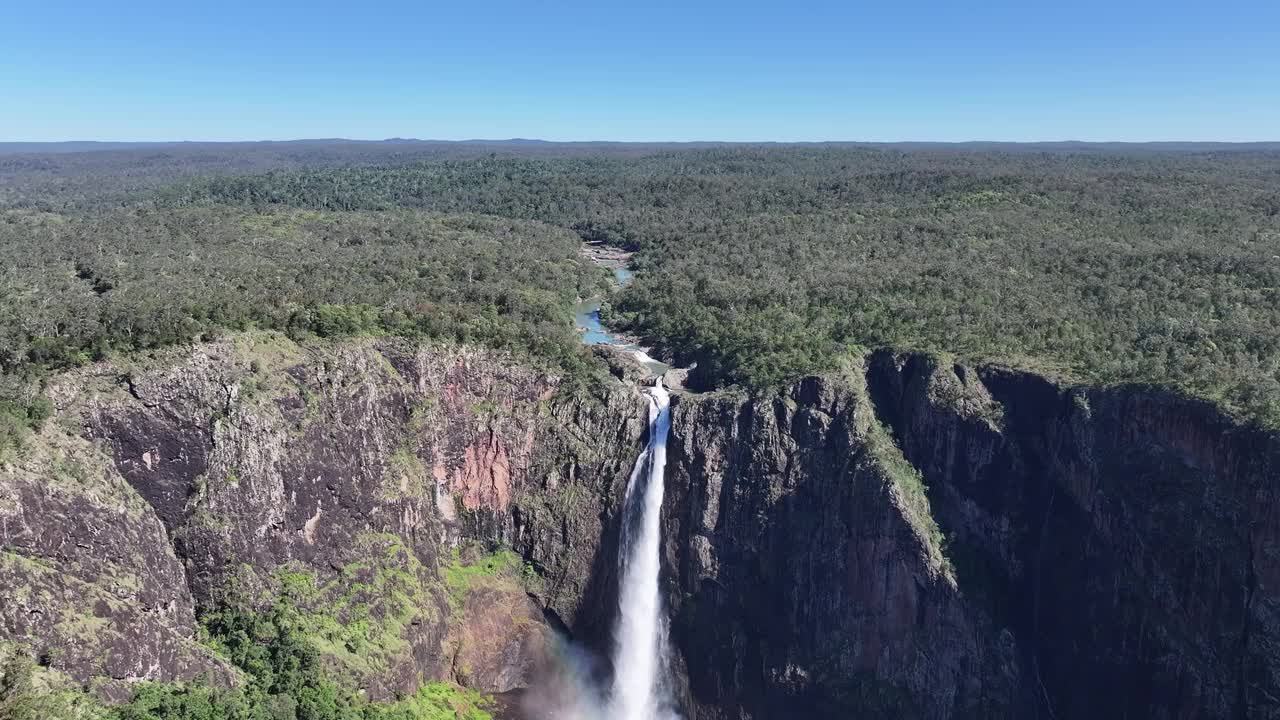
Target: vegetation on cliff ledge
point(283, 678)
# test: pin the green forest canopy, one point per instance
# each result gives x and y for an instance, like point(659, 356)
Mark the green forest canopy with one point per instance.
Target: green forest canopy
point(757, 263)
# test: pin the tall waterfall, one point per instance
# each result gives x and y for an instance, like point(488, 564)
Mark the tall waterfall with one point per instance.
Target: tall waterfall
point(639, 658)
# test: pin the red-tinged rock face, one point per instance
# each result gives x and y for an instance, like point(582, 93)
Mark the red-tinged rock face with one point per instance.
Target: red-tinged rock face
point(484, 480)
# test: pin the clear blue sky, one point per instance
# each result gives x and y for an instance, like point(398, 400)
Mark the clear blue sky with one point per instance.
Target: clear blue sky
point(885, 70)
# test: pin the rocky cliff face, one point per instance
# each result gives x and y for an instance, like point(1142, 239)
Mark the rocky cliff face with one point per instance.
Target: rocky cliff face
point(808, 577)
point(1098, 552)
point(1127, 537)
point(87, 575)
point(342, 476)
point(911, 538)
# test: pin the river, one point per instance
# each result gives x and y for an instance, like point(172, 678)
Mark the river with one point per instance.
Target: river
point(586, 317)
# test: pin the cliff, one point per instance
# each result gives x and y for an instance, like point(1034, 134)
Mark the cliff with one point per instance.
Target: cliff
point(907, 538)
point(809, 578)
point(341, 476)
point(1018, 549)
point(1126, 536)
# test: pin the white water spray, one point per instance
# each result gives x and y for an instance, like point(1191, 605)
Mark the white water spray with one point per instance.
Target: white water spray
point(639, 658)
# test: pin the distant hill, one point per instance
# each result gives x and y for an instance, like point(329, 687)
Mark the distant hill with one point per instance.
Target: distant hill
point(81, 146)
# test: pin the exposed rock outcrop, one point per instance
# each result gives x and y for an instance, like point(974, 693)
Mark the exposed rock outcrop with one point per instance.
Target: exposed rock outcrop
point(338, 474)
point(88, 576)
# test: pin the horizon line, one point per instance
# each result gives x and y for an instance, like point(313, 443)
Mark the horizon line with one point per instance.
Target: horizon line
point(541, 141)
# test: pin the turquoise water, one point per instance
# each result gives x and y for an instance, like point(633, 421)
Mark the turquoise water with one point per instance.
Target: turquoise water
point(586, 317)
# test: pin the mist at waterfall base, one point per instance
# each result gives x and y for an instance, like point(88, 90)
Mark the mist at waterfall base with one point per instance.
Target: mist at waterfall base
point(638, 688)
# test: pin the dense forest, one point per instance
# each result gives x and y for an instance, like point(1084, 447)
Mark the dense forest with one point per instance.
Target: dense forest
point(760, 264)
point(74, 288)
point(756, 263)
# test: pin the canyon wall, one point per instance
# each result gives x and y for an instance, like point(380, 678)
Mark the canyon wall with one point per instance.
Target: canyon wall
point(916, 538)
point(906, 538)
point(345, 477)
point(1127, 536)
point(808, 576)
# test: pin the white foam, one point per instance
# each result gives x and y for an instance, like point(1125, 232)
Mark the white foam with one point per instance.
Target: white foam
point(639, 660)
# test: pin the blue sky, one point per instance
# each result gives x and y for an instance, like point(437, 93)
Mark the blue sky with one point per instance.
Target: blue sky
point(890, 70)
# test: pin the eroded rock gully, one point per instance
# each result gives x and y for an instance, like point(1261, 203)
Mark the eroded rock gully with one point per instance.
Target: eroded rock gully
point(1078, 552)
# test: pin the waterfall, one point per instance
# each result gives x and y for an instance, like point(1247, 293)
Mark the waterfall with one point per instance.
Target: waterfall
point(639, 660)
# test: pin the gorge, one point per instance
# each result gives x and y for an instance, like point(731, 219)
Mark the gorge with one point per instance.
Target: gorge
point(328, 431)
point(908, 537)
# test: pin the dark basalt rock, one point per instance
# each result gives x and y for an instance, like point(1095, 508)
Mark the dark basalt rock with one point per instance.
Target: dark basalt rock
point(802, 583)
point(1127, 537)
